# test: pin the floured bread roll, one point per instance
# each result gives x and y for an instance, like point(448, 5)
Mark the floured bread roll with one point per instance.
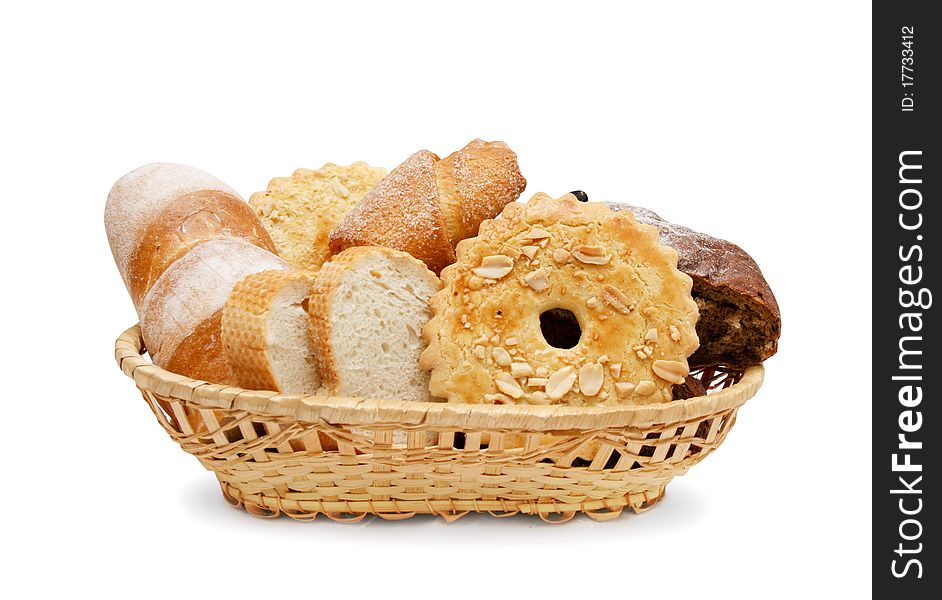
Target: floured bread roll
point(300, 211)
point(560, 302)
point(427, 205)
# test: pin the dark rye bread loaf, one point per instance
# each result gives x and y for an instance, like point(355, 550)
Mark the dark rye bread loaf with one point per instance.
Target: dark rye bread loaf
point(739, 320)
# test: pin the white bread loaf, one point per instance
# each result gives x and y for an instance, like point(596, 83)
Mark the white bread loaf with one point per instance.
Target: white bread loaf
point(265, 332)
point(158, 212)
point(181, 314)
point(368, 306)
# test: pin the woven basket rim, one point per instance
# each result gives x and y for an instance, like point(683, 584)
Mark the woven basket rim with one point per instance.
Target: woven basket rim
point(129, 348)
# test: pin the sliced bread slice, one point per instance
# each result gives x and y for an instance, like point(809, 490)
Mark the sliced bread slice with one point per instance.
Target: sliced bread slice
point(265, 332)
point(368, 306)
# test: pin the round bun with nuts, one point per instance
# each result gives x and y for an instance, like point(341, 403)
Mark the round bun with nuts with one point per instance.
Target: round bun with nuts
point(300, 211)
point(561, 302)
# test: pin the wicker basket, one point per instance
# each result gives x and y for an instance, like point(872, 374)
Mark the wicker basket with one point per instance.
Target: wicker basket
point(346, 457)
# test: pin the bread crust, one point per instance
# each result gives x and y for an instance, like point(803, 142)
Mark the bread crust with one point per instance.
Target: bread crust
point(181, 314)
point(320, 305)
point(200, 355)
point(427, 205)
point(245, 325)
point(184, 222)
point(723, 275)
point(483, 322)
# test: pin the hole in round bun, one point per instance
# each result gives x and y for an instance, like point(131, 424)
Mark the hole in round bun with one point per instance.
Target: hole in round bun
point(560, 328)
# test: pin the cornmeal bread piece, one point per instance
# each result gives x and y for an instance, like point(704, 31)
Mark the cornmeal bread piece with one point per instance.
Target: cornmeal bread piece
point(427, 205)
point(367, 309)
point(300, 211)
point(181, 316)
point(156, 213)
point(560, 302)
point(265, 327)
point(740, 322)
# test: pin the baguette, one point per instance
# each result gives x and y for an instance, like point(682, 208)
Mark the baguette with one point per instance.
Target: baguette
point(158, 212)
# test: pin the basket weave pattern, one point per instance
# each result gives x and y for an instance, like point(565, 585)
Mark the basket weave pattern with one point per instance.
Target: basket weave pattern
point(346, 457)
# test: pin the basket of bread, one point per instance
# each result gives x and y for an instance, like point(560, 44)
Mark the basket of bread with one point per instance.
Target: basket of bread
point(353, 342)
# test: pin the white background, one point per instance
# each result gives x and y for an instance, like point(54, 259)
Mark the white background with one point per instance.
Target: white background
point(749, 122)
